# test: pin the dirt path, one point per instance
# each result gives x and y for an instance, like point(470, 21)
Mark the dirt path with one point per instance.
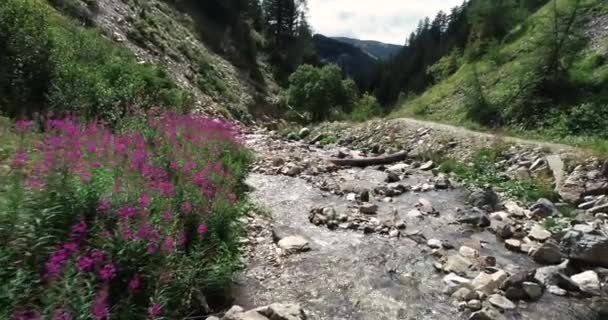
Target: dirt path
point(375, 266)
point(463, 132)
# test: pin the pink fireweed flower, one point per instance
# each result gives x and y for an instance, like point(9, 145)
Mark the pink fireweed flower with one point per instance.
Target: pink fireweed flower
point(99, 310)
point(97, 255)
point(107, 272)
point(144, 201)
point(24, 126)
point(168, 245)
point(104, 206)
point(26, 315)
point(62, 315)
point(167, 216)
point(186, 208)
point(127, 212)
point(20, 160)
point(79, 229)
point(202, 230)
point(154, 311)
point(85, 264)
point(70, 247)
point(152, 248)
point(134, 285)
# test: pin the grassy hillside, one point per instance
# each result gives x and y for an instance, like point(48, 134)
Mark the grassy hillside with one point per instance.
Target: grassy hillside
point(510, 80)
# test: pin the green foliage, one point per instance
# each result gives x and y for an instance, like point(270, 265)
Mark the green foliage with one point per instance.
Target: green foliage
point(49, 62)
point(367, 107)
point(159, 202)
point(478, 107)
point(446, 66)
point(482, 171)
point(319, 91)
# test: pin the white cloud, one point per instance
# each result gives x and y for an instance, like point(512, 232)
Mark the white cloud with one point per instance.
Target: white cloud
point(383, 20)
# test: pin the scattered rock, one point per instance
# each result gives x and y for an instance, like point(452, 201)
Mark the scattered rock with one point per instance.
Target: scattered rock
point(555, 290)
point(294, 244)
point(427, 166)
point(277, 311)
point(304, 132)
point(544, 208)
point(468, 252)
point(489, 282)
point(464, 294)
point(442, 181)
point(548, 275)
point(455, 282)
point(474, 305)
point(474, 217)
point(548, 253)
point(514, 209)
point(392, 177)
point(487, 314)
point(585, 247)
point(539, 233)
point(368, 208)
point(425, 206)
point(588, 282)
point(485, 199)
point(457, 264)
point(513, 244)
point(533, 290)
point(501, 302)
point(434, 244)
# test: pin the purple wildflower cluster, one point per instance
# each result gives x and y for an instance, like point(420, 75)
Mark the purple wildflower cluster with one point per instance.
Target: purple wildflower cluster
point(157, 193)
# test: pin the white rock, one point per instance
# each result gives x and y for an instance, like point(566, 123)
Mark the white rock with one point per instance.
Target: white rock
point(501, 302)
point(294, 244)
point(539, 233)
point(588, 281)
point(489, 283)
point(434, 243)
point(468, 252)
point(474, 304)
point(455, 282)
point(555, 290)
point(351, 197)
point(457, 264)
point(427, 166)
point(513, 244)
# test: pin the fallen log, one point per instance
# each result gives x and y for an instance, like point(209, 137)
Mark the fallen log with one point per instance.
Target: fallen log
point(366, 162)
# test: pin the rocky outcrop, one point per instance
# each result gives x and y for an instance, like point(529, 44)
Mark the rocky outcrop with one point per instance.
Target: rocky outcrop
point(586, 247)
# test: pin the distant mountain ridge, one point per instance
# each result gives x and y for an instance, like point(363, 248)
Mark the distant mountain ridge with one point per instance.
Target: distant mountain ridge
point(379, 50)
point(354, 61)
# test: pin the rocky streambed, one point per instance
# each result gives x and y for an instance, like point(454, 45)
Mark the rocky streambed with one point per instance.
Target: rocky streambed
point(397, 242)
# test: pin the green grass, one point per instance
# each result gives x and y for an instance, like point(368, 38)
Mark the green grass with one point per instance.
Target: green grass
point(504, 72)
point(481, 171)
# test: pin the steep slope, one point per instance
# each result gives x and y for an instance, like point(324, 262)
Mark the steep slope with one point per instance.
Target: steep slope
point(356, 63)
point(511, 82)
point(380, 50)
point(168, 34)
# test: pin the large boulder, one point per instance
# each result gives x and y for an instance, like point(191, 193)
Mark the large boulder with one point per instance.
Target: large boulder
point(582, 182)
point(586, 247)
point(485, 199)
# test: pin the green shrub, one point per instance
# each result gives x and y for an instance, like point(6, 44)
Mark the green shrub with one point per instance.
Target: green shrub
point(319, 90)
point(366, 108)
point(138, 224)
point(49, 62)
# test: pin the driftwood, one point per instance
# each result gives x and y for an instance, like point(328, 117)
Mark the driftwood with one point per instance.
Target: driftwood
point(365, 162)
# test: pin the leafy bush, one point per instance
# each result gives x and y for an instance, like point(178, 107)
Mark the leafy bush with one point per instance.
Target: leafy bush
point(319, 90)
point(49, 62)
point(140, 224)
point(366, 108)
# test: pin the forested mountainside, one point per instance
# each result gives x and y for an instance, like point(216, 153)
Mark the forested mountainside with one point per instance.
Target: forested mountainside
point(356, 63)
point(537, 66)
point(99, 56)
point(381, 51)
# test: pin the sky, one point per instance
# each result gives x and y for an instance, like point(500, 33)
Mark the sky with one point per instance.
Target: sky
point(389, 21)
